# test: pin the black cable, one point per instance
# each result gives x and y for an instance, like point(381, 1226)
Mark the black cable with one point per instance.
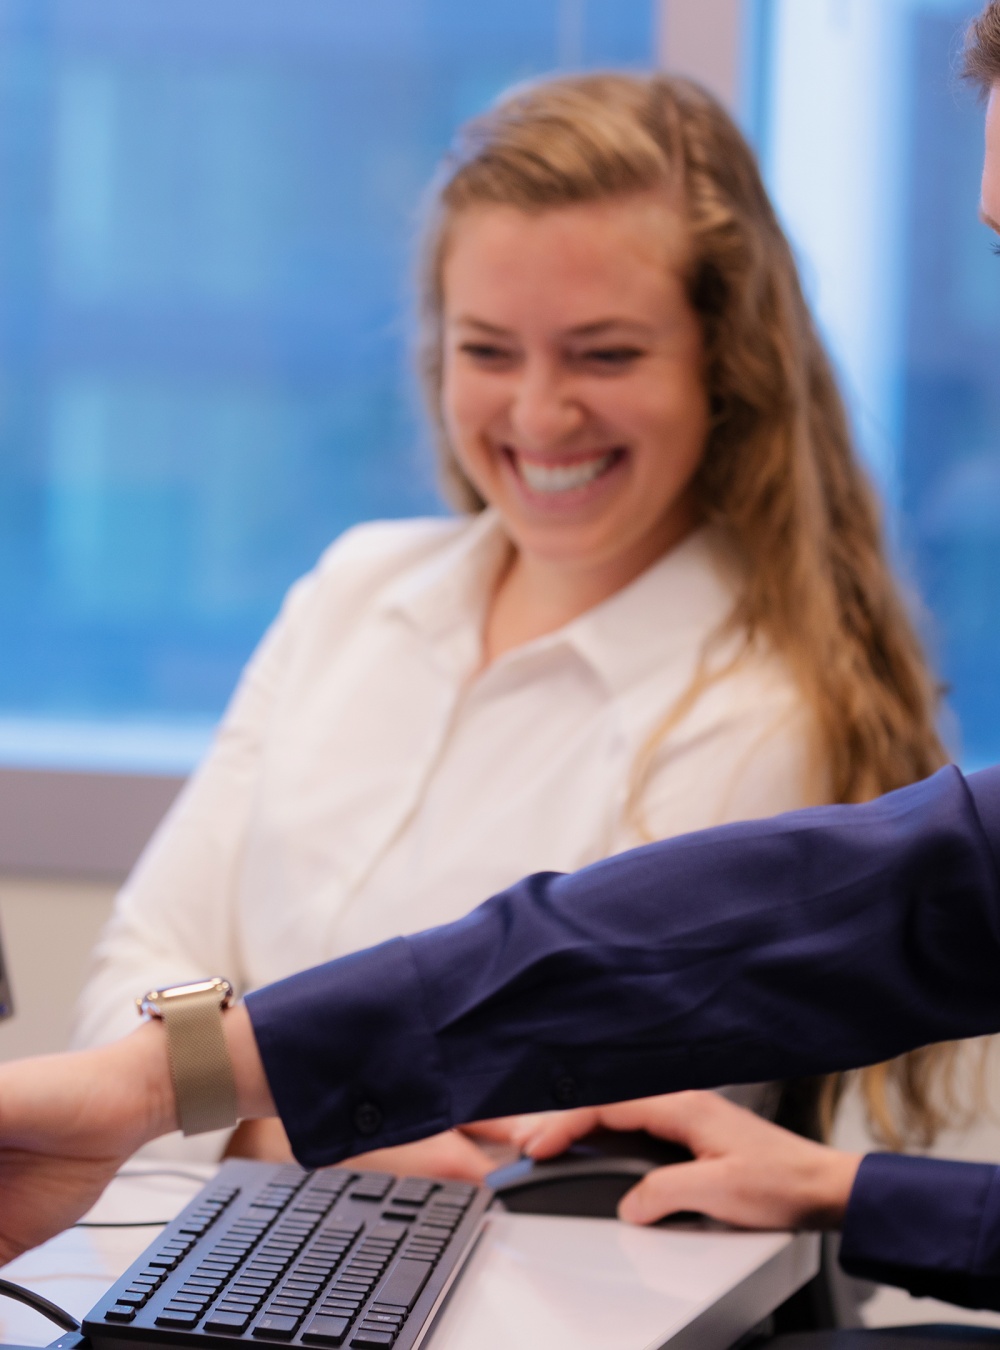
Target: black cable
point(41, 1305)
point(17, 1292)
point(140, 1173)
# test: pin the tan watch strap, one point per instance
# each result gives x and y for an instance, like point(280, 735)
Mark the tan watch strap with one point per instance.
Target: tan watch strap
point(200, 1068)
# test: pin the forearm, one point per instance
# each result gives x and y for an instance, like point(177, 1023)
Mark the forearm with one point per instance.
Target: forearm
point(140, 1060)
point(808, 943)
point(253, 1093)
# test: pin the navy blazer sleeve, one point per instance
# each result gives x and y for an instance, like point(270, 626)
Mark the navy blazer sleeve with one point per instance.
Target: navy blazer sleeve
point(815, 941)
point(928, 1224)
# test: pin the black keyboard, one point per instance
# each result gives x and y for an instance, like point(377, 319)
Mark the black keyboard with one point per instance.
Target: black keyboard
point(283, 1256)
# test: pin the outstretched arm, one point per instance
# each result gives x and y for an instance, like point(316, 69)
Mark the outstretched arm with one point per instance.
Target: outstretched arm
point(815, 941)
point(68, 1122)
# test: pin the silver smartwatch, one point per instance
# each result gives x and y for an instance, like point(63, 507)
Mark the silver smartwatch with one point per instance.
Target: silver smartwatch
point(200, 1068)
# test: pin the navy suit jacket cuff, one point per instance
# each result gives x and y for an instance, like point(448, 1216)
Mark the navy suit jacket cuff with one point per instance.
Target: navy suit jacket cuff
point(928, 1225)
point(351, 1069)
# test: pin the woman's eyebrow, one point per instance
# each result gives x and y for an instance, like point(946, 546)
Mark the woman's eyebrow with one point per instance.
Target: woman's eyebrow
point(594, 328)
point(470, 321)
point(600, 326)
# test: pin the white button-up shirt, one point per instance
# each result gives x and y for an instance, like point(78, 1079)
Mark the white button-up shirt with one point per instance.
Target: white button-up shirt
point(371, 779)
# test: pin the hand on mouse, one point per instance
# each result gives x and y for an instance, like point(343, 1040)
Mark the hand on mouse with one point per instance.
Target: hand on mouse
point(746, 1170)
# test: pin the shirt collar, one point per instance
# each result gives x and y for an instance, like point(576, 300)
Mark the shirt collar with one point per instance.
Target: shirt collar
point(449, 593)
point(667, 612)
point(662, 615)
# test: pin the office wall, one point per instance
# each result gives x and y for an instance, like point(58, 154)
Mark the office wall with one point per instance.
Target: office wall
point(49, 928)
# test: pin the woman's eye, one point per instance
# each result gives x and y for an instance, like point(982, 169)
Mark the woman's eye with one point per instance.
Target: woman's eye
point(613, 357)
point(486, 353)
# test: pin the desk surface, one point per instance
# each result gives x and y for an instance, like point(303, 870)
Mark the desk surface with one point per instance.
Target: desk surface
point(533, 1281)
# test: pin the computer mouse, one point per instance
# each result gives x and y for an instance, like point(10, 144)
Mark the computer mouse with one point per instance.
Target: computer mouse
point(589, 1179)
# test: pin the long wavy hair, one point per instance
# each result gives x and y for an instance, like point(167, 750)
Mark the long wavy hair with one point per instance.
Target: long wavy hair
point(779, 472)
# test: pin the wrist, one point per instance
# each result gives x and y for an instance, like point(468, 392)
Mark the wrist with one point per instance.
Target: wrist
point(141, 1059)
point(830, 1188)
point(253, 1093)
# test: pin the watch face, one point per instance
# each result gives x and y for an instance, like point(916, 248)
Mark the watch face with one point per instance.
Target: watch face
point(151, 1004)
point(215, 985)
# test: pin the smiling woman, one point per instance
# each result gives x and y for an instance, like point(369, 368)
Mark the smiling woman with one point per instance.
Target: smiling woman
point(574, 397)
point(664, 604)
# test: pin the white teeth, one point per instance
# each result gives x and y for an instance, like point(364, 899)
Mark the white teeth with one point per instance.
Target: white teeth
point(562, 477)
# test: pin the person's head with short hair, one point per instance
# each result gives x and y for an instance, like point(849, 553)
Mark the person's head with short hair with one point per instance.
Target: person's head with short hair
point(981, 61)
point(982, 67)
point(545, 199)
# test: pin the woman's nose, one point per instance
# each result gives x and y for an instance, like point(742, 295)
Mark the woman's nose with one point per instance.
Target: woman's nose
point(544, 410)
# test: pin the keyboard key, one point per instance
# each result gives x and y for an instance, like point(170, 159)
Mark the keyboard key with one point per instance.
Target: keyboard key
point(121, 1312)
point(233, 1322)
point(404, 1282)
point(177, 1317)
point(413, 1191)
point(372, 1187)
point(276, 1327)
point(367, 1337)
point(326, 1330)
point(227, 1319)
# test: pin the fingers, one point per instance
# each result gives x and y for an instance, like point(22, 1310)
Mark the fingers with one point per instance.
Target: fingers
point(693, 1186)
point(500, 1130)
point(681, 1117)
point(543, 1136)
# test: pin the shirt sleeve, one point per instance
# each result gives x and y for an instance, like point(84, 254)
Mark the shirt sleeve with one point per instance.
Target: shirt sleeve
point(747, 751)
point(811, 942)
point(173, 919)
point(930, 1225)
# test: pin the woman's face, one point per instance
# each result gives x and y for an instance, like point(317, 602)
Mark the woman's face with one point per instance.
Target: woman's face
point(573, 393)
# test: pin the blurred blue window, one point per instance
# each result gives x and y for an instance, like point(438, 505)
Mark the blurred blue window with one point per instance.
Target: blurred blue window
point(873, 150)
point(205, 231)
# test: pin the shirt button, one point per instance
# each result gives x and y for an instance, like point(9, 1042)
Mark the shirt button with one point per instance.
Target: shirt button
point(367, 1118)
point(564, 1091)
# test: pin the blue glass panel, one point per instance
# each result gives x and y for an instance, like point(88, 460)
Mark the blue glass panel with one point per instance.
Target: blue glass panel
point(205, 229)
point(873, 151)
point(950, 481)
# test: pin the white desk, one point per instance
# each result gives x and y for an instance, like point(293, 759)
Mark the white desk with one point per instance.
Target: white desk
point(533, 1282)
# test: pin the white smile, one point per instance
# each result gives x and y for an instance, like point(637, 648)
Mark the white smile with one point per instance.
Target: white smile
point(563, 477)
